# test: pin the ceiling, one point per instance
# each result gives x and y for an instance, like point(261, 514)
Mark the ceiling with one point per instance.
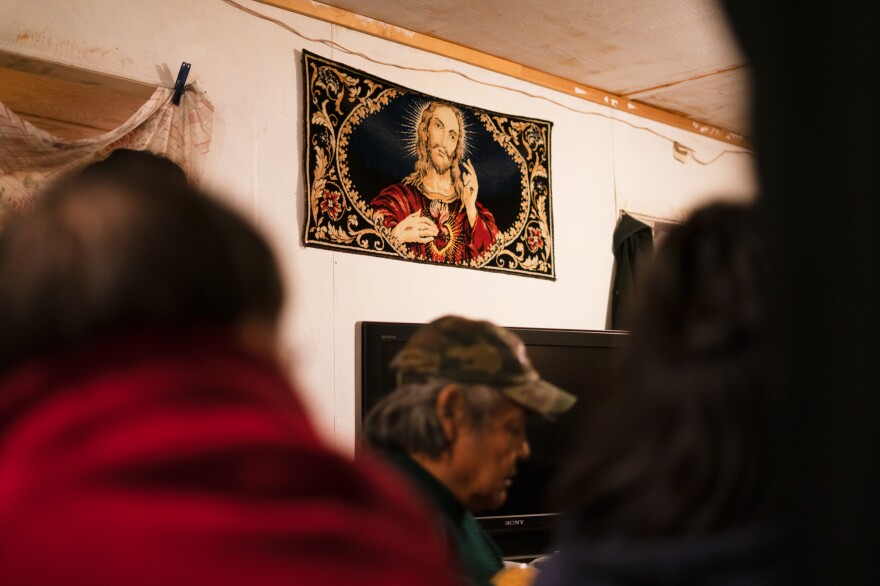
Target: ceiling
point(676, 55)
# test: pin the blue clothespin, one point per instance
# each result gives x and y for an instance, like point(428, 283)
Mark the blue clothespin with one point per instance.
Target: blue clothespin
point(180, 83)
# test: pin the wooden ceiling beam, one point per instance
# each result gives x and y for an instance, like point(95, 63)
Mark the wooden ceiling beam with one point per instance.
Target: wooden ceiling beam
point(477, 58)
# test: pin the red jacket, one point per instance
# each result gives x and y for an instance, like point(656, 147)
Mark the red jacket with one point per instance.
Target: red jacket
point(157, 459)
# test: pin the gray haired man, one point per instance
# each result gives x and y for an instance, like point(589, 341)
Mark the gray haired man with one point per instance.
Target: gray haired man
point(456, 425)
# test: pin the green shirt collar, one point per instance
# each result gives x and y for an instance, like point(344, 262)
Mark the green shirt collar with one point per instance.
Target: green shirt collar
point(441, 495)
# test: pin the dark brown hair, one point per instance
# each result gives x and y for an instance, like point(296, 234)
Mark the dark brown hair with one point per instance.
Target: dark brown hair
point(684, 445)
point(126, 243)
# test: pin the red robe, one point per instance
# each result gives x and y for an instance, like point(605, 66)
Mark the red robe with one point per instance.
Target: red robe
point(177, 459)
point(456, 243)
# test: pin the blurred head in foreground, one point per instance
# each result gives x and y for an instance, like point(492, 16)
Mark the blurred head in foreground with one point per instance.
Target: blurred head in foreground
point(142, 417)
point(683, 450)
point(125, 243)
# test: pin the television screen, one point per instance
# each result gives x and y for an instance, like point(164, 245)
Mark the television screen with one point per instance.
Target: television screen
point(579, 361)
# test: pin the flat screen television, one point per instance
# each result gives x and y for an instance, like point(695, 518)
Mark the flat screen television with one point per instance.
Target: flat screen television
point(579, 361)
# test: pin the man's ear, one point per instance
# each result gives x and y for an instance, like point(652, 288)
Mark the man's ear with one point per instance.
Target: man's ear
point(448, 410)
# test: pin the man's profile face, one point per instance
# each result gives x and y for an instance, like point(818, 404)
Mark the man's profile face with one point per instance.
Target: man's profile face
point(443, 136)
point(484, 459)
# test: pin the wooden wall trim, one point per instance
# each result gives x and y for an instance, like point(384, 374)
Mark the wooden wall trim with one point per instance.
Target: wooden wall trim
point(470, 56)
point(68, 102)
point(73, 74)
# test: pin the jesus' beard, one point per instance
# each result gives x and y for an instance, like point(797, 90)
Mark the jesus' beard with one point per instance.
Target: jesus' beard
point(440, 163)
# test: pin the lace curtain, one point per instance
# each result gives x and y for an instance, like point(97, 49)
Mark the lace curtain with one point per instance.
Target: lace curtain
point(30, 157)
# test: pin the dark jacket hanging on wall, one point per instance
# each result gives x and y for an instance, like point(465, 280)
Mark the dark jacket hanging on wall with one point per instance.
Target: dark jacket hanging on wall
point(633, 245)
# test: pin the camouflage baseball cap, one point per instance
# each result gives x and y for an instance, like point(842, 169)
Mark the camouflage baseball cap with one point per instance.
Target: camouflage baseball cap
point(479, 352)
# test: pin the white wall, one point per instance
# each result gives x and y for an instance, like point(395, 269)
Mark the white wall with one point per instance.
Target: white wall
point(251, 71)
